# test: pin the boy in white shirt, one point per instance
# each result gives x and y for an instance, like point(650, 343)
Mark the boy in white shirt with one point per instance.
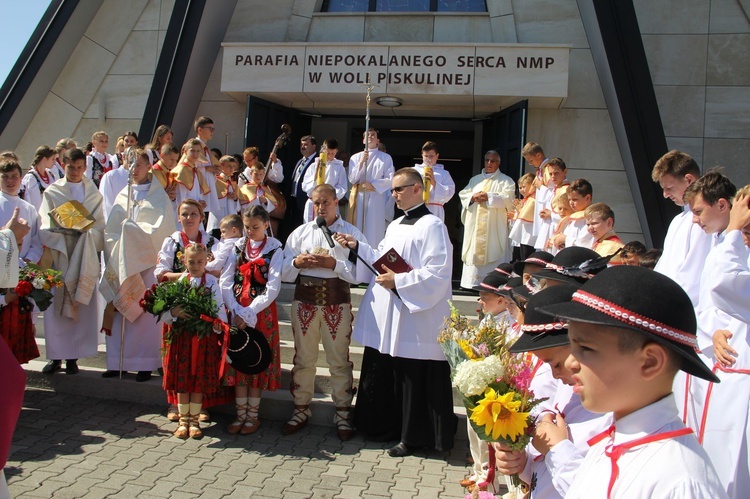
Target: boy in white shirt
point(630, 330)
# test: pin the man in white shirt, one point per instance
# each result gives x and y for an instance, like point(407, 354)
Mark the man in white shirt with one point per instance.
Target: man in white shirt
point(441, 186)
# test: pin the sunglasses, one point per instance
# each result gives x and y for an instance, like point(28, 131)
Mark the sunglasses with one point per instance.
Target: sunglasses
point(401, 188)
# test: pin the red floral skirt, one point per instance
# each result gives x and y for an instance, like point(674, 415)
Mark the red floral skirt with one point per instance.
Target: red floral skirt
point(270, 379)
point(17, 330)
point(191, 364)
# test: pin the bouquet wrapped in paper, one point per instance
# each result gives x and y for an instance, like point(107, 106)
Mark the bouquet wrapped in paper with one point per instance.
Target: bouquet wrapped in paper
point(494, 383)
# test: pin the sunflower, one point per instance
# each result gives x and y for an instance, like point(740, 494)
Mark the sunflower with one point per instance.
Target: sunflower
point(499, 415)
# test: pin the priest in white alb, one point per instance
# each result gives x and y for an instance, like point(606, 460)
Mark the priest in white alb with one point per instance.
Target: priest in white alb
point(485, 203)
point(405, 392)
point(131, 242)
point(71, 326)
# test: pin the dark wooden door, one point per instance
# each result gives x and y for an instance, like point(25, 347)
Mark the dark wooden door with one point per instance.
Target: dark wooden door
point(505, 132)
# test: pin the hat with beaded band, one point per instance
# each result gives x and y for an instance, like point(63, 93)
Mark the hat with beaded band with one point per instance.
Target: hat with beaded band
point(643, 301)
point(540, 330)
point(505, 268)
point(492, 283)
point(538, 258)
point(564, 266)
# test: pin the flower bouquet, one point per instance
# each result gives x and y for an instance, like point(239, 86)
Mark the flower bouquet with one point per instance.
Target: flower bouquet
point(197, 302)
point(36, 283)
point(494, 383)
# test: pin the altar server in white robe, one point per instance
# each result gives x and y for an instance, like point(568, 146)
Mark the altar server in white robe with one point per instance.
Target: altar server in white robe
point(686, 244)
point(485, 203)
point(204, 128)
point(719, 413)
point(115, 181)
point(441, 188)
point(71, 326)
point(332, 173)
point(405, 391)
point(370, 174)
point(130, 245)
point(31, 246)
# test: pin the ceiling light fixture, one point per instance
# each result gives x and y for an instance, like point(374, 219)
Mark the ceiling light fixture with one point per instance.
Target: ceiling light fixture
point(386, 101)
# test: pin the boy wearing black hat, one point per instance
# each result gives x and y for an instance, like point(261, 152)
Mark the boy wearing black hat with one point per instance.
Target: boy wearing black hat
point(559, 445)
point(569, 266)
point(719, 413)
point(630, 330)
point(535, 262)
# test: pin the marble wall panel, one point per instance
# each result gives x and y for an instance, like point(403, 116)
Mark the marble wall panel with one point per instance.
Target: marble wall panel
point(47, 130)
point(124, 97)
point(463, 29)
point(499, 7)
point(549, 21)
point(676, 59)
point(138, 55)
point(165, 13)
point(584, 90)
point(681, 109)
point(149, 19)
point(504, 29)
point(250, 23)
point(728, 16)
point(304, 8)
point(83, 74)
point(114, 128)
point(213, 86)
point(297, 29)
point(728, 112)
point(337, 29)
point(399, 28)
point(673, 16)
point(114, 21)
point(728, 60)
point(732, 154)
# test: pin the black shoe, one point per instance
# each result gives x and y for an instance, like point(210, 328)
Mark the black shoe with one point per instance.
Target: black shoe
point(402, 450)
point(110, 374)
point(160, 371)
point(52, 367)
point(143, 376)
point(71, 366)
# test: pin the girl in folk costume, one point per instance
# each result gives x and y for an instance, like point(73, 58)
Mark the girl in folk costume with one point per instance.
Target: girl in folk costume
point(253, 194)
point(71, 329)
point(162, 136)
point(39, 176)
point(131, 239)
point(171, 266)
point(16, 323)
point(226, 192)
point(190, 181)
point(250, 282)
point(191, 365)
point(99, 162)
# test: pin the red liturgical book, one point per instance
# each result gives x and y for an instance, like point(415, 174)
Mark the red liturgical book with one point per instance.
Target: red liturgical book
point(393, 261)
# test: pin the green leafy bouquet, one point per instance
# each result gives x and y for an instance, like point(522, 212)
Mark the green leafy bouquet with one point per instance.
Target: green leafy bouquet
point(197, 302)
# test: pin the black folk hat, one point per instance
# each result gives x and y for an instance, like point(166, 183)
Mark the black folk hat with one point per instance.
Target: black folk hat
point(513, 282)
point(643, 301)
point(492, 282)
point(574, 265)
point(249, 351)
point(505, 268)
point(539, 258)
point(541, 330)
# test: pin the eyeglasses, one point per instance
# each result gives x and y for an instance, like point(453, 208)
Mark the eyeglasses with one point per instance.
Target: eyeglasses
point(400, 188)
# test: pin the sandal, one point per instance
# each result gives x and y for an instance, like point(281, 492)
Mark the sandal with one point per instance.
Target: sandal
point(236, 425)
point(204, 416)
point(299, 420)
point(182, 430)
point(173, 414)
point(195, 427)
point(252, 423)
point(344, 428)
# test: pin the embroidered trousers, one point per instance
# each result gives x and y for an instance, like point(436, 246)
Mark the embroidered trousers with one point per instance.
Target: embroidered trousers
point(331, 324)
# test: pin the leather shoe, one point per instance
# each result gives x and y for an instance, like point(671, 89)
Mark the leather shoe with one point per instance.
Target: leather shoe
point(401, 450)
point(71, 367)
point(110, 374)
point(344, 434)
point(466, 482)
point(52, 367)
point(143, 376)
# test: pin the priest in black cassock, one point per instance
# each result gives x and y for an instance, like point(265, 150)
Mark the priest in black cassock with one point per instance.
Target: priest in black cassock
point(405, 389)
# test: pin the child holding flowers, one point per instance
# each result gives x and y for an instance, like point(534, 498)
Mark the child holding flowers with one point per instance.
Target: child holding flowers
point(171, 264)
point(192, 356)
point(250, 282)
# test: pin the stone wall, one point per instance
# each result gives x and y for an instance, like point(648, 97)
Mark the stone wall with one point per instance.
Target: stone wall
point(697, 53)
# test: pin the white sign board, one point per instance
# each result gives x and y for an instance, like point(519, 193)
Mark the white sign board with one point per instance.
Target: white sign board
point(522, 70)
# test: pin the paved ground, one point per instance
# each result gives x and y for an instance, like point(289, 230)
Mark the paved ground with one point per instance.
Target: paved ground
point(73, 446)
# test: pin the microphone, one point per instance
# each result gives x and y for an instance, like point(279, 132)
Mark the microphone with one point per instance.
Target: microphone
point(321, 222)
